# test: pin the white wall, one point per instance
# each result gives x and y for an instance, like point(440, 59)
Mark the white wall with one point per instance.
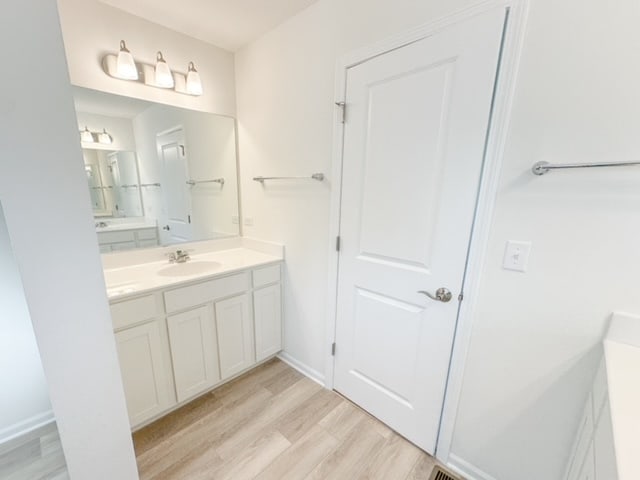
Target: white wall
point(24, 402)
point(577, 99)
point(210, 142)
point(59, 265)
point(121, 129)
point(92, 29)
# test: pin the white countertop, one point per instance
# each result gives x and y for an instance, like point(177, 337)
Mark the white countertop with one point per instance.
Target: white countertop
point(622, 353)
point(126, 281)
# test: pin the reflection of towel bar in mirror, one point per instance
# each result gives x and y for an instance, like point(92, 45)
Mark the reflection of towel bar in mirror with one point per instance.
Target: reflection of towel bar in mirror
point(150, 185)
point(215, 180)
point(102, 188)
point(316, 176)
point(541, 168)
point(133, 185)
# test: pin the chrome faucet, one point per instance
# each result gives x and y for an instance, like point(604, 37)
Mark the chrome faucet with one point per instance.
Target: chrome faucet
point(179, 256)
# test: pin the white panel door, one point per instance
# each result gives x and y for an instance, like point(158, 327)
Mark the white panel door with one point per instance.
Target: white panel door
point(235, 335)
point(416, 124)
point(176, 192)
point(267, 312)
point(194, 351)
point(144, 371)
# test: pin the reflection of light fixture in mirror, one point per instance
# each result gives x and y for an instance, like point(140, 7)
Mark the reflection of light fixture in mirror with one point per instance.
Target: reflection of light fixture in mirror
point(194, 85)
point(104, 137)
point(86, 136)
point(125, 65)
point(164, 77)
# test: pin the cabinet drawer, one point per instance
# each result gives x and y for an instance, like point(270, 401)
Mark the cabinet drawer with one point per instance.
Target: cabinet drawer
point(147, 234)
point(204, 292)
point(116, 237)
point(136, 310)
point(266, 275)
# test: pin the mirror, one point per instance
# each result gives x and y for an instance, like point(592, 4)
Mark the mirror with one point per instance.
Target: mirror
point(157, 174)
point(114, 183)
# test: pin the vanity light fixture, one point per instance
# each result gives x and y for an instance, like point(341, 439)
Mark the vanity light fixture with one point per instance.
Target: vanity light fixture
point(164, 77)
point(104, 137)
point(86, 136)
point(124, 67)
point(194, 84)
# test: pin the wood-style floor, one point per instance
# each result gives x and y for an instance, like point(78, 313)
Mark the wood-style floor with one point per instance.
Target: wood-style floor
point(37, 455)
point(274, 423)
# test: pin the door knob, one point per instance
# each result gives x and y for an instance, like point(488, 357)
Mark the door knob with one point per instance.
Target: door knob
point(166, 227)
point(442, 295)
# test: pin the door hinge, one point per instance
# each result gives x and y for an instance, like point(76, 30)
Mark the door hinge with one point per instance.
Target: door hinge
point(343, 107)
point(189, 218)
point(338, 243)
point(461, 297)
point(333, 349)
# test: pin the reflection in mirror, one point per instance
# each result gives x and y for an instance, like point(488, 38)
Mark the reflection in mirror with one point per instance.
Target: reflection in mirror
point(29, 444)
point(169, 175)
point(114, 183)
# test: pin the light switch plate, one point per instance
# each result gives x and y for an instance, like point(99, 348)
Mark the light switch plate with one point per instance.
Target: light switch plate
point(516, 256)
point(235, 219)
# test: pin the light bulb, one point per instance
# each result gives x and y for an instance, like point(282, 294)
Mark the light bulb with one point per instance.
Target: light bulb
point(164, 77)
point(104, 137)
point(125, 65)
point(194, 84)
point(86, 136)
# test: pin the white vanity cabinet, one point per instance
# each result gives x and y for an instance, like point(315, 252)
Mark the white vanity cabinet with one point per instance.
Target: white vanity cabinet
point(267, 306)
point(178, 342)
point(126, 239)
point(235, 335)
point(194, 353)
point(143, 351)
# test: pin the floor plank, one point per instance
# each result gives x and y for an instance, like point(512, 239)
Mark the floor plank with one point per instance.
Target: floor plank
point(275, 424)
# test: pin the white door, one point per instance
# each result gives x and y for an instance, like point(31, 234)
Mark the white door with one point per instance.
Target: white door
point(416, 123)
point(194, 351)
point(235, 335)
point(143, 369)
point(175, 189)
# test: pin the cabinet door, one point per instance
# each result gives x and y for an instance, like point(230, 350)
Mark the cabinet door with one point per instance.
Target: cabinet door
point(235, 335)
point(192, 337)
point(267, 310)
point(144, 371)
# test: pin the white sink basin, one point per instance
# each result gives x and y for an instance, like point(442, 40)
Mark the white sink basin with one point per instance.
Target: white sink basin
point(189, 268)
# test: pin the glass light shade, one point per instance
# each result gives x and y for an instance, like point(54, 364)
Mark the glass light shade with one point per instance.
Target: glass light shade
point(194, 84)
point(86, 136)
point(125, 65)
point(104, 137)
point(164, 77)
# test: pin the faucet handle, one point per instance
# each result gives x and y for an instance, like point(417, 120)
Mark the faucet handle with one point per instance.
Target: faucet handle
point(172, 256)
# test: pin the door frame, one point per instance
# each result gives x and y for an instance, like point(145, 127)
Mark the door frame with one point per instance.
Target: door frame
point(503, 97)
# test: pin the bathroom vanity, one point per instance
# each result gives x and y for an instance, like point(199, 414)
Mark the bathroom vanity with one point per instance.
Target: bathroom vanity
point(184, 328)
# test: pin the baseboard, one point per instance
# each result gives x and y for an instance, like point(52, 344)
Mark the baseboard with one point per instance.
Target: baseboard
point(24, 427)
point(466, 469)
point(302, 368)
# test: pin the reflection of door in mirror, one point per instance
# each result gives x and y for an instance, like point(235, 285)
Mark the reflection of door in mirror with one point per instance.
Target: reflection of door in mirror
point(95, 188)
point(124, 169)
point(176, 196)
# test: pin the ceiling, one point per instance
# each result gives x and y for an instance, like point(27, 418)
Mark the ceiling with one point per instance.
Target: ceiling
point(100, 103)
point(229, 24)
